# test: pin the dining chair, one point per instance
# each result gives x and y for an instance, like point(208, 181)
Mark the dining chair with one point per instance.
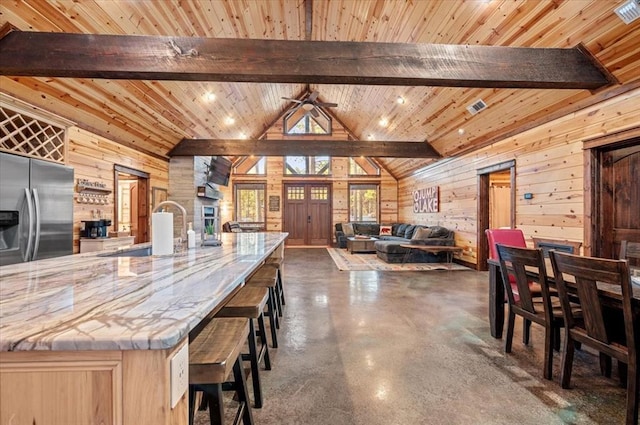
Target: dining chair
point(510, 237)
point(527, 266)
point(592, 281)
point(630, 251)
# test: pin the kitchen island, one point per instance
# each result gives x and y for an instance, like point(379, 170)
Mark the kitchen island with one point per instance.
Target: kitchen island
point(89, 338)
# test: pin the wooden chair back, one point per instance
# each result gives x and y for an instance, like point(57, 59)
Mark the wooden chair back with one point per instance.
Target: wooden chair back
point(630, 251)
point(527, 266)
point(576, 275)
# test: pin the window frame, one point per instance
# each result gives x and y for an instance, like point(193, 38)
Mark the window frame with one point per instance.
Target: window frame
point(307, 117)
point(308, 165)
point(248, 185)
point(371, 162)
point(236, 172)
point(362, 184)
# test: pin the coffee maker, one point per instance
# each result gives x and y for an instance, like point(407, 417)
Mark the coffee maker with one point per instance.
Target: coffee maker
point(95, 228)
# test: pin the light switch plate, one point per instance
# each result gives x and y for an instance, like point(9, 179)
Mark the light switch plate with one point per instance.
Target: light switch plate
point(179, 366)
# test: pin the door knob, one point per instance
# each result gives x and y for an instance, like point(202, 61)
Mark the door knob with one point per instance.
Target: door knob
point(308, 219)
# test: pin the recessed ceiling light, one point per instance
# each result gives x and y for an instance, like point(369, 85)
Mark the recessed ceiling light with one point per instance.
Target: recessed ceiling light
point(461, 131)
point(400, 100)
point(209, 96)
point(383, 122)
point(229, 120)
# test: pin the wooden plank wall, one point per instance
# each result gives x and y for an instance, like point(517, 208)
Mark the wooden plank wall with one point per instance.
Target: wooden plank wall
point(340, 180)
point(549, 164)
point(93, 158)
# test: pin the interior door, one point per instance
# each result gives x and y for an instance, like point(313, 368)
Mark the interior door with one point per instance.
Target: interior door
point(133, 210)
point(620, 206)
point(307, 213)
point(143, 210)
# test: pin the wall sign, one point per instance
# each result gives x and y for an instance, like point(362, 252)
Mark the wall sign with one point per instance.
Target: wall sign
point(426, 200)
point(274, 203)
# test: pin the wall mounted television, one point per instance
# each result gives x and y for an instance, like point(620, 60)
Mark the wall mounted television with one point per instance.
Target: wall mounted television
point(219, 170)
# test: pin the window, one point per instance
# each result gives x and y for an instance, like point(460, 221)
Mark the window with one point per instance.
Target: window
point(251, 204)
point(307, 165)
point(363, 202)
point(362, 166)
point(299, 121)
point(252, 166)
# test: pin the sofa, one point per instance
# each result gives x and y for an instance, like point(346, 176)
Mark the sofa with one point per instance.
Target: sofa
point(388, 245)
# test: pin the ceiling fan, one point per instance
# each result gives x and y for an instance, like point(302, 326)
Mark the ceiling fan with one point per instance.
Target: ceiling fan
point(311, 103)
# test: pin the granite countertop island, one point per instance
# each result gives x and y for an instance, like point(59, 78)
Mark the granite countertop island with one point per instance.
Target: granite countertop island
point(95, 302)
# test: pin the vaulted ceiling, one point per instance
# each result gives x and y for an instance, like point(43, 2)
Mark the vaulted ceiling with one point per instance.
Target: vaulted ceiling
point(154, 116)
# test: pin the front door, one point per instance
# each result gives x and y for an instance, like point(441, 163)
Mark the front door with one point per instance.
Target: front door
point(620, 196)
point(307, 213)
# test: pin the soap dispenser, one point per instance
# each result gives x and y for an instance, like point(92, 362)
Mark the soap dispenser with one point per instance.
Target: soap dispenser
point(191, 237)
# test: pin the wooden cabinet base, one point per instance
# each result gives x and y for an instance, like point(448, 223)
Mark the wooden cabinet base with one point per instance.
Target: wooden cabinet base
point(88, 387)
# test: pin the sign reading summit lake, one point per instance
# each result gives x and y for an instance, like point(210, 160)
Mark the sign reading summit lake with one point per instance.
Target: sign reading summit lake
point(426, 200)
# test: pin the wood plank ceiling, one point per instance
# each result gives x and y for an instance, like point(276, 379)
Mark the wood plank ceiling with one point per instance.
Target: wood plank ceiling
point(153, 116)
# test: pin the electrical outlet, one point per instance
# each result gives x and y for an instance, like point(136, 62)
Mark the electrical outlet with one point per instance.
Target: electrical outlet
point(179, 367)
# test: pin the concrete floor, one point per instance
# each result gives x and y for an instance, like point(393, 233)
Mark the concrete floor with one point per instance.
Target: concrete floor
point(384, 348)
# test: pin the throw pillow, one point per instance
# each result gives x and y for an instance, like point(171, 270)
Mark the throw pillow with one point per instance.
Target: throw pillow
point(347, 228)
point(421, 234)
point(401, 229)
point(408, 233)
point(385, 230)
point(439, 232)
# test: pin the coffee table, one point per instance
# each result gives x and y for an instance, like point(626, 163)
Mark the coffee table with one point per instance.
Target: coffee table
point(361, 244)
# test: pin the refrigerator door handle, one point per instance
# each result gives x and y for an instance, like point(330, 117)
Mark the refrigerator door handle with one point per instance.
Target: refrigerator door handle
point(27, 253)
point(36, 245)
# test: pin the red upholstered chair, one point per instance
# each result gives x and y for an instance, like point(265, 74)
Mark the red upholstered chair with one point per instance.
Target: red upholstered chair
point(509, 237)
point(512, 237)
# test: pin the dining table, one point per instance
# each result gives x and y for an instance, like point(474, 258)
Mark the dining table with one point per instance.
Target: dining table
point(612, 294)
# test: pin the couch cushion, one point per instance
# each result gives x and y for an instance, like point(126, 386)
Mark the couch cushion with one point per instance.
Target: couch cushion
point(408, 233)
point(385, 231)
point(366, 228)
point(398, 239)
point(439, 232)
point(347, 228)
point(400, 230)
point(391, 247)
point(421, 233)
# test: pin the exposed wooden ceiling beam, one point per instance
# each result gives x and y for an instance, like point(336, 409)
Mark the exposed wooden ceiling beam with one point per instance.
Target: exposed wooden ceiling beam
point(286, 61)
point(205, 147)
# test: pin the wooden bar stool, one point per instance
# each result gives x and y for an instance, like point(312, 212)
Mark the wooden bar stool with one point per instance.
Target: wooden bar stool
point(213, 354)
point(275, 260)
point(276, 263)
point(266, 277)
point(250, 303)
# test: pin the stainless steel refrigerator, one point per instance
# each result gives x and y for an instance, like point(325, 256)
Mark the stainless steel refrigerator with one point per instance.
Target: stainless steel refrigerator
point(36, 209)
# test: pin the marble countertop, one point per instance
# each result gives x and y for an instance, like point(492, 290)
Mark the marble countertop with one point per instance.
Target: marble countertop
point(92, 302)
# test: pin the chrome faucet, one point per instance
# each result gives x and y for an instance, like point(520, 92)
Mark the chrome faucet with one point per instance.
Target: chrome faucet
point(183, 232)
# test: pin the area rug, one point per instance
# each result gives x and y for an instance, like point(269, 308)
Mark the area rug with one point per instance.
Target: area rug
point(354, 262)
